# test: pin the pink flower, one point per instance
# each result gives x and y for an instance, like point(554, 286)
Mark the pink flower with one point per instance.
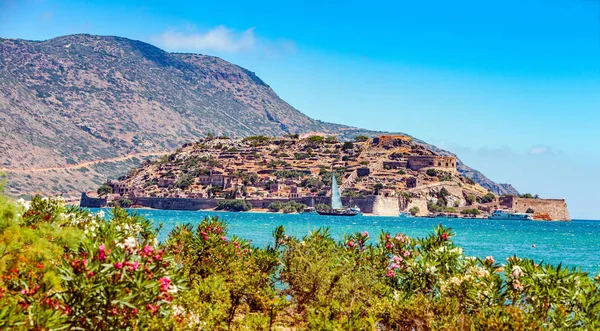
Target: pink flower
point(444, 236)
point(350, 244)
point(387, 236)
point(101, 253)
point(85, 262)
point(148, 250)
point(406, 253)
point(134, 311)
point(134, 265)
point(118, 265)
point(397, 259)
point(152, 308)
point(394, 266)
point(489, 260)
point(164, 283)
point(390, 273)
point(90, 274)
point(388, 246)
point(365, 234)
point(23, 292)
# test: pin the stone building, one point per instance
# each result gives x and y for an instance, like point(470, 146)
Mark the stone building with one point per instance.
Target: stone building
point(119, 188)
point(556, 208)
point(412, 182)
point(419, 162)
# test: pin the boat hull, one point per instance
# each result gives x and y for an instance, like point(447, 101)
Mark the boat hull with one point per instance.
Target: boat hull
point(329, 213)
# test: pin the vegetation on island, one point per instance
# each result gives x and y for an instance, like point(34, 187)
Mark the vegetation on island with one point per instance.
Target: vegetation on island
point(233, 205)
point(287, 207)
point(65, 268)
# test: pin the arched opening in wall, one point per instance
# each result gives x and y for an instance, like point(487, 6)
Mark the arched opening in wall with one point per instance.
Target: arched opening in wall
point(430, 163)
point(453, 165)
point(446, 164)
point(439, 164)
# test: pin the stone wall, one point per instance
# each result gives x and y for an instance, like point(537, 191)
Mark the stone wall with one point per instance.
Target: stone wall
point(365, 204)
point(419, 203)
point(556, 208)
point(386, 206)
point(418, 162)
point(91, 202)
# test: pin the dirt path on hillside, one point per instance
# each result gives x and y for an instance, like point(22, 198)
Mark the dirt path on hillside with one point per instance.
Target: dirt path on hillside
point(84, 164)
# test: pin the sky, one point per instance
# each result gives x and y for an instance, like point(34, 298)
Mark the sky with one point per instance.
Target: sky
point(511, 87)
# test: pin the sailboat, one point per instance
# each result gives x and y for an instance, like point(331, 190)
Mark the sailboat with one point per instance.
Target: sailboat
point(337, 209)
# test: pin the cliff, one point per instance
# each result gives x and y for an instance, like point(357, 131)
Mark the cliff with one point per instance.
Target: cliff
point(81, 98)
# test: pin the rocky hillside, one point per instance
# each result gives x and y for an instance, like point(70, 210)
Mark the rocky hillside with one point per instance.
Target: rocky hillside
point(260, 168)
point(81, 98)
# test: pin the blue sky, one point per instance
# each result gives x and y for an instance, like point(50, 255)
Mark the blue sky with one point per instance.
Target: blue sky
point(512, 87)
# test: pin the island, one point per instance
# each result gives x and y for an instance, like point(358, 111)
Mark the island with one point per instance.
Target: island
point(384, 175)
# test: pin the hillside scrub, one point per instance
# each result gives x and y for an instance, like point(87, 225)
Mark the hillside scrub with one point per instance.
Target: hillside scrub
point(64, 267)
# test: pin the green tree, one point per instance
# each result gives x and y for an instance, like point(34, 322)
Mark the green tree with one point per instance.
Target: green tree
point(125, 203)
point(489, 197)
point(414, 210)
point(471, 199)
point(377, 187)
point(361, 138)
point(431, 172)
point(104, 190)
point(529, 211)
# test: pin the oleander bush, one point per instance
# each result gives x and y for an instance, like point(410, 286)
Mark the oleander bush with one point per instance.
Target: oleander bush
point(66, 268)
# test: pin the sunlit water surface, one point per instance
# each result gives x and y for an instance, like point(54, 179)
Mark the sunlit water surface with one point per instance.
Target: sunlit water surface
point(576, 243)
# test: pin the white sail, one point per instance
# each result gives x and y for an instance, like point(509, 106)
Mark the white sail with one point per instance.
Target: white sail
point(336, 200)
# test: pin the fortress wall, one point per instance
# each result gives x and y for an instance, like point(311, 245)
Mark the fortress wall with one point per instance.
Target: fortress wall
point(175, 203)
point(556, 208)
point(386, 206)
point(91, 202)
point(419, 203)
point(365, 204)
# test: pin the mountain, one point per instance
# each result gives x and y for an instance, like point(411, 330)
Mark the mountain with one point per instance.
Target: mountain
point(81, 98)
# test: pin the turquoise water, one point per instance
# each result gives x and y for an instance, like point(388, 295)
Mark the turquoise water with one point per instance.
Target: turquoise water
point(576, 244)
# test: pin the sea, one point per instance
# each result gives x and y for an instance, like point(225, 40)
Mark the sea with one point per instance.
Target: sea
point(575, 244)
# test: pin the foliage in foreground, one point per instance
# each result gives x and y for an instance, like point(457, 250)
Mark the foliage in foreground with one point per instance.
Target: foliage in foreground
point(63, 267)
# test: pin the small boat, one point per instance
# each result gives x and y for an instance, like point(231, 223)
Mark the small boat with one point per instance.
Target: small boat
point(507, 214)
point(337, 209)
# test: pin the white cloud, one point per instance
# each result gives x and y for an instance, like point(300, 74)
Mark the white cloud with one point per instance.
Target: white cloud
point(540, 150)
point(220, 39)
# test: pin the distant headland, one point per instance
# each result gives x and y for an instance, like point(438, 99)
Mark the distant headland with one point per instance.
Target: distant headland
point(384, 175)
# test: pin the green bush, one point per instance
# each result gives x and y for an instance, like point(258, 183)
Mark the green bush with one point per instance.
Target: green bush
point(287, 207)
point(185, 181)
point(471, 212)
point(65, 268)
point(125, 203)
point(104, 190)
point(234, 205)
point(414, 210)
point(489, 197)
point(322, 207)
